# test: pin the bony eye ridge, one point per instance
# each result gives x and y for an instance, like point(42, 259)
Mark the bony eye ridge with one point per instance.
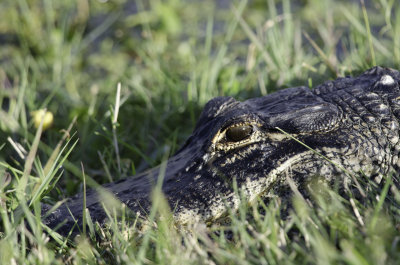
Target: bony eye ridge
point(238, 133)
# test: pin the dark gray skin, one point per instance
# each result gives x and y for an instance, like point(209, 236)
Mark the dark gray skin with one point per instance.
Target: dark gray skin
point(353, 122)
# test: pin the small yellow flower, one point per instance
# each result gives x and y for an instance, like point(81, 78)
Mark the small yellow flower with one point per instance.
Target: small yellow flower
point(38, 115)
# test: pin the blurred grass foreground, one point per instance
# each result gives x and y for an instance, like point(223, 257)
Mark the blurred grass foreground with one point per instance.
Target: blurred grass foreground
point(63, 60)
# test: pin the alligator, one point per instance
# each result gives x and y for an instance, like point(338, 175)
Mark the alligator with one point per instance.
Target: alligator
point(244, 150)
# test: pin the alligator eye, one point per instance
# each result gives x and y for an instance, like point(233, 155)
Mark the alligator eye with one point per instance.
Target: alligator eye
point(238, 133)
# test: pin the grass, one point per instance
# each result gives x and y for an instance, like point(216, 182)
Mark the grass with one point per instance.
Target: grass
point(171, 57)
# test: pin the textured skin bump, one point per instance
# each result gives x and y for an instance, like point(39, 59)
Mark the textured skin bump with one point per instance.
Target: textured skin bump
point(354, 122)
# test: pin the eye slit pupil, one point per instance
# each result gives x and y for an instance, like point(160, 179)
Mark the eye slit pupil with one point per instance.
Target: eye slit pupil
point(238, 133)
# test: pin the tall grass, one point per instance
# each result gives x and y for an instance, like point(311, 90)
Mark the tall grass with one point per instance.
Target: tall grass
point(171, 57)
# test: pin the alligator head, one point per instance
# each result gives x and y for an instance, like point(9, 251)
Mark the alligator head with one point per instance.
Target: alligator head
point(348, 124)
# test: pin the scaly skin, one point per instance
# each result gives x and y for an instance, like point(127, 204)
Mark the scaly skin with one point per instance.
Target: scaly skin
point(353, 122)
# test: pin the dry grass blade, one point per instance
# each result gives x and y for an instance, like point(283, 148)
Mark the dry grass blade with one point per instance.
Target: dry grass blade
point(114, 125)
point(254, 39)
point(322, 54)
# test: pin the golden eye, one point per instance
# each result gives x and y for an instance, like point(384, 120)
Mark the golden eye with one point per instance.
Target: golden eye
point(238, 133)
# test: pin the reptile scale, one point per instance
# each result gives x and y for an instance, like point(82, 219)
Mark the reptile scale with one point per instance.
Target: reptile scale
point(349, 124)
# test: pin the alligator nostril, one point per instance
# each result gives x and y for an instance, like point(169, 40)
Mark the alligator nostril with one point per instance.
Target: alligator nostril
point(238, 133)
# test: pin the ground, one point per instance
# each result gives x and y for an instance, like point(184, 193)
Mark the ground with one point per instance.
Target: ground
point(170, 58)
